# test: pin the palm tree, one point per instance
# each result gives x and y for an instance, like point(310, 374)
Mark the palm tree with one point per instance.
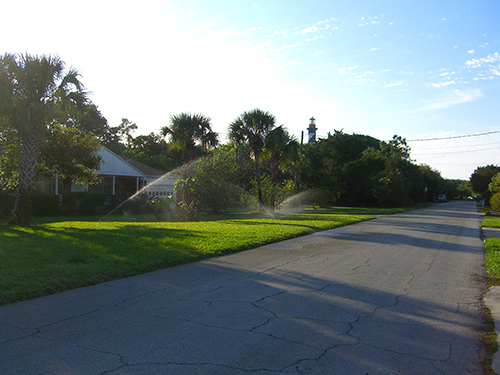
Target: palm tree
point(252, 127)
point(33, 92)
point(186, 130)
point(280, 148)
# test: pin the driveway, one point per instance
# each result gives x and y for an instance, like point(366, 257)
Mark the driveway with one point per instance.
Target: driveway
point(396, 295)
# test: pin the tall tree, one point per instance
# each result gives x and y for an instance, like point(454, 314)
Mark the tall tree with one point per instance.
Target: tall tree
point(187, 131)
point(33, 91)
point(92, 121)
point(125, 130)
point(252, 127)
point(280, 148)
point(494, 185)
point(481, 178)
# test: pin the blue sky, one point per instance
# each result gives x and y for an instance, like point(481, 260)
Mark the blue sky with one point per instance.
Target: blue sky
point(422, 70)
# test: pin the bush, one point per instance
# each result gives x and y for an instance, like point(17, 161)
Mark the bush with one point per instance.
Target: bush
point(273, 194)
point(133, 205)
point(83, 203)
point(161, 208)
point(44, 204)
point(90, 201)
point(495, 202)
point(7, 200)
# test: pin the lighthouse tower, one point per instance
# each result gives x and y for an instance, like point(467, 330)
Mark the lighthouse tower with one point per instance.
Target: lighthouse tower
point(312, 130)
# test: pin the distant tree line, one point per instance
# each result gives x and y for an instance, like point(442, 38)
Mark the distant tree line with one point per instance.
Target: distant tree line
point(49, 127)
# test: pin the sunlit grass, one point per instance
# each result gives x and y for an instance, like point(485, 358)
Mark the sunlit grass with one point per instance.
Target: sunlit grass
point(491, 222)
point(55, 255)
point(492, 253)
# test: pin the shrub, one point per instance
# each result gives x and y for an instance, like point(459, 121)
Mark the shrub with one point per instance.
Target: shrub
point(7, 200)
point(44, 204)
point(160, 207)
point(273, 194)
point(83, 203)
point(90, 201)
point(495, 202)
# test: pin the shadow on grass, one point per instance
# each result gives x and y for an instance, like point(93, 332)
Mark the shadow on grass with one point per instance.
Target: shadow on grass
point(40, 260)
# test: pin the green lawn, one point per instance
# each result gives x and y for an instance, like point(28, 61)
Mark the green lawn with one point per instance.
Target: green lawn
point(56, 255)
point(492, 250)
point(492, 254)
point(491, 222)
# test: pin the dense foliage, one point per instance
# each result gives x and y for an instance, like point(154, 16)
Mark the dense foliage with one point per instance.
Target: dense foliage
point(36, 94)
point(481, 178)
point(48, 127)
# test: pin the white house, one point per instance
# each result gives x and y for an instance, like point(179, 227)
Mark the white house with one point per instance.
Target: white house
point(121, 178)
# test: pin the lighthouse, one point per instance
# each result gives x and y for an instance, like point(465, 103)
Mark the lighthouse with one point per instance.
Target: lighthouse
point(312, 130)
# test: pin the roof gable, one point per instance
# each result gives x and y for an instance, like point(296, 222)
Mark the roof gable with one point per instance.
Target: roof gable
point(113, 164)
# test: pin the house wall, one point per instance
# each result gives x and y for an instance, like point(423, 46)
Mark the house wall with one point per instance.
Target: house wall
point(160, 187)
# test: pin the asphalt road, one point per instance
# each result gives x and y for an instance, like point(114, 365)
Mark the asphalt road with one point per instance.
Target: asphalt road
point(396, 295)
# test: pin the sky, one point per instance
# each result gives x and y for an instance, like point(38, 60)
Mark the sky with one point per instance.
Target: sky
point(428, 71)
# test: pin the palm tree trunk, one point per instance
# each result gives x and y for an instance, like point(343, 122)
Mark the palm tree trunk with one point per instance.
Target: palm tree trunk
point(257, 176)
point(30, 149)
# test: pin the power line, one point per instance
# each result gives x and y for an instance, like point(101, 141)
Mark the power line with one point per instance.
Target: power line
point(455, 152)
point(454, 137)
point(460, 147)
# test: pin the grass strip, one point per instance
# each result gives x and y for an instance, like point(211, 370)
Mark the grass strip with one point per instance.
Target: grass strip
point(491, 222)
point(55, 256)
point(492, 254)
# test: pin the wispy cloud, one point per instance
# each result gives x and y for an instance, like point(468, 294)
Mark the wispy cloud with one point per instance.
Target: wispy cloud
point(311, 29)
point(346, 69)
point(394, 84)
point(315, 38)
point(451, 99)
point(319, 26)
point(490, 64)
point(284, 48)
point(490, 59)
point(443, 84)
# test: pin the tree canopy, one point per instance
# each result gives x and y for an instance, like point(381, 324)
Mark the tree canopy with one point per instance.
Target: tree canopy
point(187, 131)
point(48, 126)
point(481, 178)
point(253, 127)
point(35, 91)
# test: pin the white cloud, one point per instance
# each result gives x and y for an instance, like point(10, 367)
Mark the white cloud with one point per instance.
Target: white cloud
point(443, 84)
point(394, 84)
point(375, 49)
point(284, 48)
point(311, 29)
point(471, 51)
point(451, 99)
point(346, 69)
point(490, 59)
point(495, 71)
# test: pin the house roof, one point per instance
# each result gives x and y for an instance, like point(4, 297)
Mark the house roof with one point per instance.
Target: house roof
point(114, 164)
point(146, 169)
